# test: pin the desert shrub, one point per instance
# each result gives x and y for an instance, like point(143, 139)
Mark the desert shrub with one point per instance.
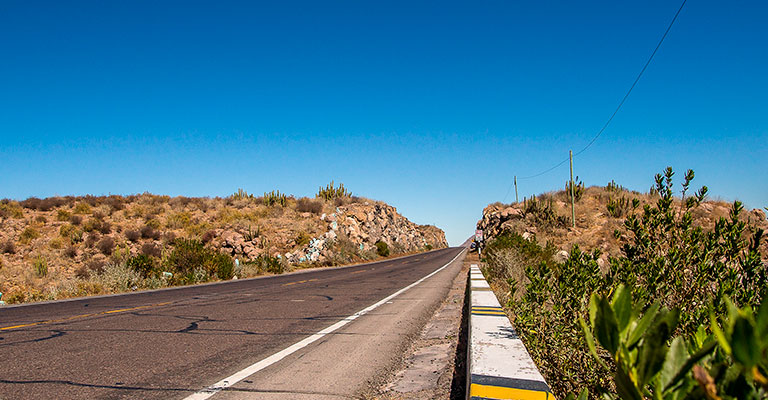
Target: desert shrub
point(148, 232)
point(382, 249)
point(11, 209)
point(28, 234)
point(75, 220)
point(91, 239)
point(269, 264)
point(208, 236)
point(330, 192)
point(56, 243)
point(40, 266)
point(143, 264)
point(302, 239)
point(106, 245)
point(8, 247)
point(70, 251)
point(71, 232)
point(188, 255)
point(92, 224)
point(133, 235)
point(153, 223)
point(308, 205)
point(428, 247)
point(179, 220)
point(118, 277)
point(251, 234)
point(82, 208)
point(151, 249)
point(275, 198)
point(41, 219)
point(63, 215)
point(105, 228)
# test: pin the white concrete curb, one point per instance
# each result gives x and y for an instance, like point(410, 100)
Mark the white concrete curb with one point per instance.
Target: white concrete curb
point(498, 365)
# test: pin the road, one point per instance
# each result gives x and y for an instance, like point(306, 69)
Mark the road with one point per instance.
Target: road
point(172, 343)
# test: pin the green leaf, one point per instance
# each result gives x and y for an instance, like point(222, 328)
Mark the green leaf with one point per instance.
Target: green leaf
point(761, 320)
point(606, 327)
point(591, 342)
point(719, 334)
point(593, 300)
point(624, 385)
point(639, 330)
point(690, 362)
point(584, 395)
point(746, 349)
point(653, 349)
point(622, 306)
point(674, 361)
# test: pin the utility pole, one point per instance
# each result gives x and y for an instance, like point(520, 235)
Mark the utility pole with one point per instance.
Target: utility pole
point(573, 196)
point(516, 200)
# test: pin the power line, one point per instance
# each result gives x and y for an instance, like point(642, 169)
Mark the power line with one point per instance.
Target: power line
point(616, 111)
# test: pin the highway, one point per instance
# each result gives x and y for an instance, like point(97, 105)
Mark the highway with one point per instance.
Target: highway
point(259, 335)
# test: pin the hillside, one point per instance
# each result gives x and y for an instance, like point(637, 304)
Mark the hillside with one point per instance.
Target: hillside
point(72, 246)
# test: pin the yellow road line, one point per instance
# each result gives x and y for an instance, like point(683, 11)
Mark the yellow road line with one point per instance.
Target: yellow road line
point(499, 392)
point(304, 281)
point(357, 272)
point(53, 321)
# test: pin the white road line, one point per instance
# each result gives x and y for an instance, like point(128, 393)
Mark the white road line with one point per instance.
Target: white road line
point(240, 375)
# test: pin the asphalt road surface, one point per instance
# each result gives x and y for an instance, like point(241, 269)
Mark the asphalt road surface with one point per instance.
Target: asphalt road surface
point(175, 342)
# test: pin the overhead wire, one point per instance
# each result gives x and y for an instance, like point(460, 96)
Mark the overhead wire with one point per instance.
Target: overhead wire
point(616, 111)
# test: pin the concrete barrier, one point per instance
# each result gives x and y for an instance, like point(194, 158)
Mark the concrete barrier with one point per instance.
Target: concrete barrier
point(498, 365)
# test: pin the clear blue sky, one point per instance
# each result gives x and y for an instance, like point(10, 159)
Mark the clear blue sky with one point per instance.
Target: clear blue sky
point(431, 107)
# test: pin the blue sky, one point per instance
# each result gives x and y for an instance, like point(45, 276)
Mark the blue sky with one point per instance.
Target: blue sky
point(432, 107)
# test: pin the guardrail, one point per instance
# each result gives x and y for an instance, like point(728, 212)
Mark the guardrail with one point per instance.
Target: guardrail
point(498, 365)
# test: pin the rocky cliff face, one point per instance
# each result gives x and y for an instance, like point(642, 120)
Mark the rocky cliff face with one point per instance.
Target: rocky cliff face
point(358, 225)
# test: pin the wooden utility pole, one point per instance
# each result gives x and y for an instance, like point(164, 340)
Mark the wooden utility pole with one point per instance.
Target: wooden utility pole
point(516, 200)
point(573, 195)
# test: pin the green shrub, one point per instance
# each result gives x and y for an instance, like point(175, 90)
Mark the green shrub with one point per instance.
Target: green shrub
point(266, 263)
point(82, 208)
point(382, 249)
point(63, 215)
point(666, 261)
point(330, 192)
point(71, 232)
point(11, 209)
point(40, 265)
point(188, 255)
point(302, 239)
point(28, 234)
point(143, 264)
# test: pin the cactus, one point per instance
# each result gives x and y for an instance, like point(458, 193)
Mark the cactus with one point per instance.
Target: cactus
point(275, 198)
point(331, 192)
point(578, 189)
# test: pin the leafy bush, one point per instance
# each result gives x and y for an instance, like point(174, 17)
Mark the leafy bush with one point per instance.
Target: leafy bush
point(731, 363)
point(11, 209)
point(75, 220)
point(666, 261)
point(330, 192)
point(382, 249)
point(63, 215)
point(143, 264)
point(266, 263)
point(82, 208)
point(28, 234)
point(308, 205)
point(188, 255)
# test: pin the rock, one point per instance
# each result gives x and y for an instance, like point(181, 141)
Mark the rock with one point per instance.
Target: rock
point(758, 213)
point(561, 256)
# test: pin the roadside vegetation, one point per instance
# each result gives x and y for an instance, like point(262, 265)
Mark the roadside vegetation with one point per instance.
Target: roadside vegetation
point(674, 311)
point(63, 247)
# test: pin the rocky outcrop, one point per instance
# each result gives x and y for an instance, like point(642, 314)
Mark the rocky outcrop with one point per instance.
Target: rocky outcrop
point(360, 225)
point(498, 218)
